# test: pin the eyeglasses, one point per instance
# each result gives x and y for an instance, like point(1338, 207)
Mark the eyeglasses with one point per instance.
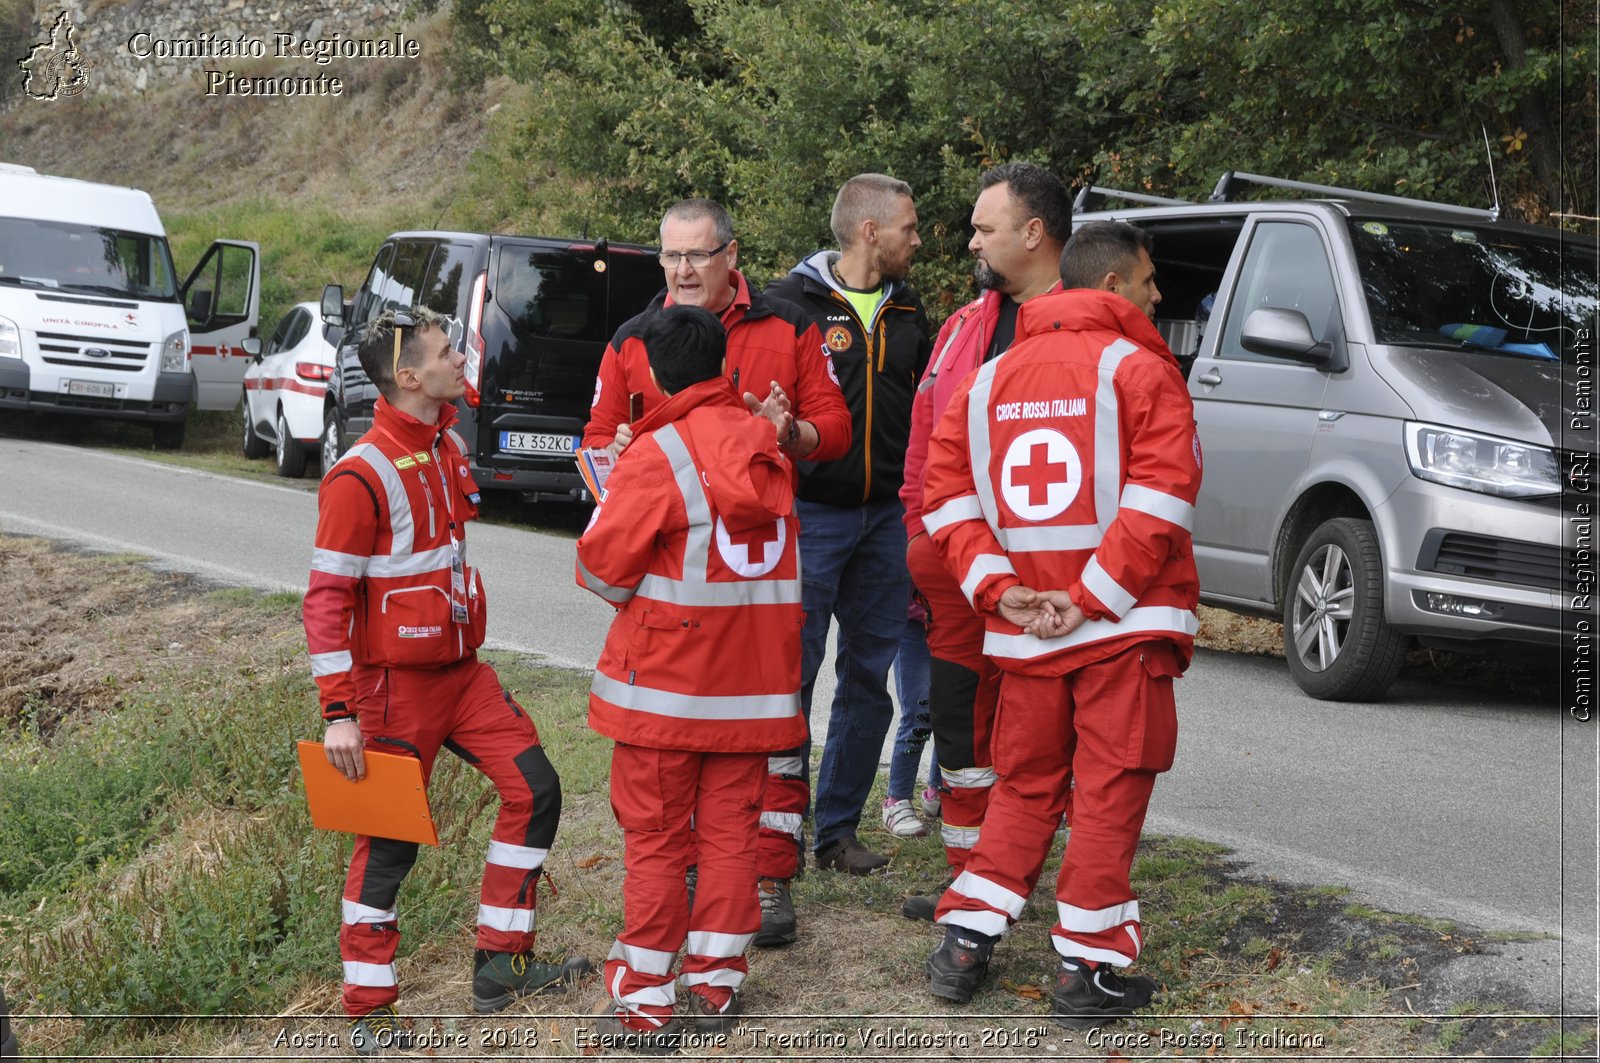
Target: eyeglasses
point(697, 259)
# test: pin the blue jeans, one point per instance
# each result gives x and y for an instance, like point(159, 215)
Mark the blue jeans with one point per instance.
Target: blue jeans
point(853, 567)
point(910, 738)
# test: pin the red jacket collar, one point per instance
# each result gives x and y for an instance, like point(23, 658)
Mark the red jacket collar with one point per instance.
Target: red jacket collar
point(1085, 309)
point(734, 310)
point(406, 429)
point(715, 392)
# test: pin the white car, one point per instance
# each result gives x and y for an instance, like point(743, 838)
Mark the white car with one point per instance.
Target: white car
point(283, 391)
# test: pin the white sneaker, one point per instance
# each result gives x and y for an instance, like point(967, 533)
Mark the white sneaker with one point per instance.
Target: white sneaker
point(931, 802)
point(901, 820)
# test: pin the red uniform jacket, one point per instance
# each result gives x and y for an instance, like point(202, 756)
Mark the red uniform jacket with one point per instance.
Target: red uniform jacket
point(391, 522)
point(768, 339)
point(1071, 462)
point(695, 543)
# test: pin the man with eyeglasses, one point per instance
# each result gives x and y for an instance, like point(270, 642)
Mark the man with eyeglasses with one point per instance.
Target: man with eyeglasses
point(393, 619)
point(776, 358)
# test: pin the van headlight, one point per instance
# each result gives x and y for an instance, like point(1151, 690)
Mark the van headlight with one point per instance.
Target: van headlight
point(10, 339)
point(1481, 463)
point(175, 352)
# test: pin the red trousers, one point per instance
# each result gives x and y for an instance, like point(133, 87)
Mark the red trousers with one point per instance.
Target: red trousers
point(462, 707)
point(655, 794)
point(1112, 726)
point(963, 687)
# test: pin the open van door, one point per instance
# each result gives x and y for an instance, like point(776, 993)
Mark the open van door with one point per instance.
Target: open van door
point(222, 300)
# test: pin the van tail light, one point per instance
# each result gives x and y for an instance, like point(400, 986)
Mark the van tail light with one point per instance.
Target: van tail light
point(312, 371)
point(473, 347)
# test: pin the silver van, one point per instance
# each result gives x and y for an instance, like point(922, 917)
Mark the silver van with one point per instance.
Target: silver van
point(1395, 401)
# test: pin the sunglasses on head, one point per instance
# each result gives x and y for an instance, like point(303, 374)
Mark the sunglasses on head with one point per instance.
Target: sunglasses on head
point(402, 319)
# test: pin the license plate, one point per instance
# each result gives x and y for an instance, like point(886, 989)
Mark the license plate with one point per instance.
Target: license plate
point(538, 443)
point(92, 388)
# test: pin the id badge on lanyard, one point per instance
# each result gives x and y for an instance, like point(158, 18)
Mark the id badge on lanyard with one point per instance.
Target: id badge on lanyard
point(458, 582)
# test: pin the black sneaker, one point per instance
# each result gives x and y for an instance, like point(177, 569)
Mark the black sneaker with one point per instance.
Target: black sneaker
point(920, 906)
point(378, 1031)
point(498, 978)
point(777, 914)
point(849, 856)
point(1085, 998)
point(958, 966)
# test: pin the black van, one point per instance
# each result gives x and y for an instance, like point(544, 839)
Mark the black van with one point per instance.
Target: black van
point(533, 316)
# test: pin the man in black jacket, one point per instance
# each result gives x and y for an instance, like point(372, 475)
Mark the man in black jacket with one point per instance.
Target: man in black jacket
point(852, 539)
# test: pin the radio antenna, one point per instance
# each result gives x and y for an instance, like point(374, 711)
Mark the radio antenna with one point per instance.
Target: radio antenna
point(1494, 189)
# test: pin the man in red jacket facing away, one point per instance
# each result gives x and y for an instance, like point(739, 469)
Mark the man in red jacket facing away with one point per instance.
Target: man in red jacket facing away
point(1020, 222)
point(1060, 494)
point(699, 679)
point(393, 619)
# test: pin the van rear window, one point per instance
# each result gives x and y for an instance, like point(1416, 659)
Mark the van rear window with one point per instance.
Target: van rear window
point(83, 258)
point(554, 294)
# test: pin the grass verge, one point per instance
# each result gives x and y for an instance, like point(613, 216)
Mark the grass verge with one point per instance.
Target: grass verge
point(166, 898)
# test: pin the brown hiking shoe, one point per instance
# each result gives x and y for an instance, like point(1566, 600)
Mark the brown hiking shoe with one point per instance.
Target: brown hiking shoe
point(851, 857)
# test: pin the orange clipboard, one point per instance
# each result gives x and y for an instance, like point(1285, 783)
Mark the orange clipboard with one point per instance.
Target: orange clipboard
point(391, 802)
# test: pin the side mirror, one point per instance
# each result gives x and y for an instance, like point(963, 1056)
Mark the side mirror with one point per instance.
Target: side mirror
point(333, 306)
point(252, 346)
point(199, 309)
point(1284, 334)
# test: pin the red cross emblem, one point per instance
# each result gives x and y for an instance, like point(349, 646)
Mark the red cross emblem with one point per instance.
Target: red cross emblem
point(748, 551)
point(1041, 474)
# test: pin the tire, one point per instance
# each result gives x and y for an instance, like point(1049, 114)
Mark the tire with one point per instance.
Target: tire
point(291, 456)
point(1338, 644)
point(252, 445)
point(332, 439)
point(169, 436)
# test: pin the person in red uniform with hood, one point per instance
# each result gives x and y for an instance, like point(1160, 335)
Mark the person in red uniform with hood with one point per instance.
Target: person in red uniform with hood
point(1061, 483)
point(394, 616)
point(699, 680)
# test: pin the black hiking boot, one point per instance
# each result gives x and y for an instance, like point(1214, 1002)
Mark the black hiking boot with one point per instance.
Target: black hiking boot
point(958, 966)
point(1086, 997)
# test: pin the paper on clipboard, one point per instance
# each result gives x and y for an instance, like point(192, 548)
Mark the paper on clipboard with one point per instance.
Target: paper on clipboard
point(391, 802)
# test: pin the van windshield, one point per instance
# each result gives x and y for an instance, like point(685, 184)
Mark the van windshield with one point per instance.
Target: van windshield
point(1439, 284)
point(84, 258)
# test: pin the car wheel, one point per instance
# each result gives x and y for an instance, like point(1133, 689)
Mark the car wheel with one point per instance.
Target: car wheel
point(291, 456)
point(169, 436)
point(332, 439)
point(1337, 642)
point(253, 445)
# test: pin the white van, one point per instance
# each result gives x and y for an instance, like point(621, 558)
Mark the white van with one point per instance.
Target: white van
point(92, 319)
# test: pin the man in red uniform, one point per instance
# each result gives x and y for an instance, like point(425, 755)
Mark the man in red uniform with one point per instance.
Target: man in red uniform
point(699, 679)
point(773, 348)
point(1060, 493)
point(393, 618)
point(1022, 217)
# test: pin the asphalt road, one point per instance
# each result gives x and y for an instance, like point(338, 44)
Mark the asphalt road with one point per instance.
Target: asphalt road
point(1466, 805)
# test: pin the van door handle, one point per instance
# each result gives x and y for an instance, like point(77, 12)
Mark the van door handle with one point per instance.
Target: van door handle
point(1211, 378)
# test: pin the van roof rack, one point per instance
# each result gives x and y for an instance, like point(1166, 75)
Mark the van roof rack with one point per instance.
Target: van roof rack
point(1232, 182)
point(1090, 196)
